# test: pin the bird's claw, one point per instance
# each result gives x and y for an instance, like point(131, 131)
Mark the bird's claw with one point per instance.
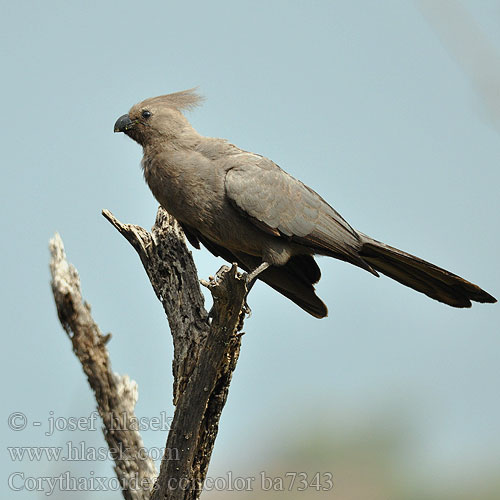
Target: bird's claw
point(244, 276)
point(246, 308)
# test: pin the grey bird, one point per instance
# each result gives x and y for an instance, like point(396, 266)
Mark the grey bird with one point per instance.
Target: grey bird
point(244, 208)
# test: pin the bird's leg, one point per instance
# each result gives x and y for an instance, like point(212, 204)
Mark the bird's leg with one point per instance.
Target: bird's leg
point(246, 307)
point(251, 276)
point(250, 284)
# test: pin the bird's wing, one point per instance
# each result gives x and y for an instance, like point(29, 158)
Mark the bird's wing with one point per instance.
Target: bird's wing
point(281, 205)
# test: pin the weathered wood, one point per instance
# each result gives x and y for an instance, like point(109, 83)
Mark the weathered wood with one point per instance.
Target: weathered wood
point(172, 273)
point(205, 349)
point(116, 395)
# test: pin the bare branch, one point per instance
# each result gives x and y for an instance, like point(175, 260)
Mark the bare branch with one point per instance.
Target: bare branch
point(171, 270)
point(116, 395)
point(205, 353)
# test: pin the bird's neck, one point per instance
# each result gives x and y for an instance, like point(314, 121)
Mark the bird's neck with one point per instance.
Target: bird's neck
point(170, 142)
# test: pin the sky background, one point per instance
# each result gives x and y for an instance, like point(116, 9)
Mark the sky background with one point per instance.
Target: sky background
point(388, 109)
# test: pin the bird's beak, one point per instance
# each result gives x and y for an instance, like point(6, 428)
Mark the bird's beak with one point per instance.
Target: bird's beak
point(123, 124)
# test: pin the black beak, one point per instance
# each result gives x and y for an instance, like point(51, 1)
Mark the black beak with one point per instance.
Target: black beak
point(123, 124)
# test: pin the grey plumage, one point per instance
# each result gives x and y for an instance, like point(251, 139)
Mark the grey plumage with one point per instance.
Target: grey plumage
point(246, 209)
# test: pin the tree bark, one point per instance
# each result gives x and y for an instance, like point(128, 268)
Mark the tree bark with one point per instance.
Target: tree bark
point(116, 395)
point(206, 349)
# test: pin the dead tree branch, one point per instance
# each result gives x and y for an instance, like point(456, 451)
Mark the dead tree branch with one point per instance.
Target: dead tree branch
point(171, 270)
point(116, 395)
point(206, 350)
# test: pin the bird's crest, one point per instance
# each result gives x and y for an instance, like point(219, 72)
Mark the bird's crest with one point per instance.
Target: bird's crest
point(183, 100)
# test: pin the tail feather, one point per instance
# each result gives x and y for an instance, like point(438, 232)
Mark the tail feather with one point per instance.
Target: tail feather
point(295, 280)
point(422, 276)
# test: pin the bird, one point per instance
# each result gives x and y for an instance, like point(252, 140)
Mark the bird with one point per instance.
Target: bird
point(244, 208)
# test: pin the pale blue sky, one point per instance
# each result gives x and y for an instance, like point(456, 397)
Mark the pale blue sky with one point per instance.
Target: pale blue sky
point(360, 100)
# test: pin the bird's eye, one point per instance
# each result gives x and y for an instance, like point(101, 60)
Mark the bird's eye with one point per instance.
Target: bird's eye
point(146, 114)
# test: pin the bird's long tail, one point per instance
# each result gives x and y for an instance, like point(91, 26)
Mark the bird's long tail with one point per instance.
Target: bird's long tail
point(420, 275)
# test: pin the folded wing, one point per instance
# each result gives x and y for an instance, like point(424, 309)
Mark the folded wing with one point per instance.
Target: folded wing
point(278, 203)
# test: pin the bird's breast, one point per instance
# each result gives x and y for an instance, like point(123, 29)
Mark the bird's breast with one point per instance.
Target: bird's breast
point(194, 193)
point(189, 188)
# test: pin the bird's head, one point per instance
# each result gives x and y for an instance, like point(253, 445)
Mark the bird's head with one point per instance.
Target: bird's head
point(158, 118)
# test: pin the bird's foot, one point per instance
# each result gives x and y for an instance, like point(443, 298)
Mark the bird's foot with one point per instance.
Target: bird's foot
point(246, 308)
